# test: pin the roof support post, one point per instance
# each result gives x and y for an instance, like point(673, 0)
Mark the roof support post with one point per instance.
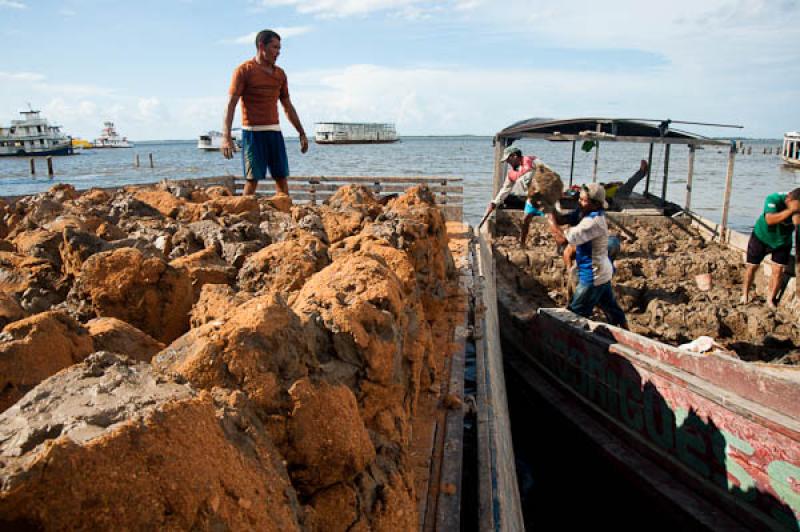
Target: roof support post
point(666, 174)
point(689, 175)
point(497, 181)
point(649, 168)
point(727, 196)
point(596, 154)
point(572, 164)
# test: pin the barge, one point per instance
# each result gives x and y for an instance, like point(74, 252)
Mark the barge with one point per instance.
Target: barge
point(354, 133)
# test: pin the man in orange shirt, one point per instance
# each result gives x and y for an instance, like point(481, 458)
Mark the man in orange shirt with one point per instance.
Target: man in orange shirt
point(260, 83)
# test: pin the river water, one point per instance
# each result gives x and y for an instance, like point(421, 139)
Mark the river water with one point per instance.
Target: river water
point(470, 158)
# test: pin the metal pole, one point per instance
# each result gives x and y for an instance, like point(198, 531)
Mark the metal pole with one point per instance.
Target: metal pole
point(727, 197)
point(689, 176)
point(649, 168)
point(596, 155)
point(572, 164)
point(666, 174)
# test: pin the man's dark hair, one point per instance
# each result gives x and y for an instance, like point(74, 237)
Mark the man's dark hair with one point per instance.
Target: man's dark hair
point(265, 36)
point(794, 195)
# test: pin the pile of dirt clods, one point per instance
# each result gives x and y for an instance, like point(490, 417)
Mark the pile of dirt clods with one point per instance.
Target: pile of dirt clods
point(179, 358)
point(656, 283)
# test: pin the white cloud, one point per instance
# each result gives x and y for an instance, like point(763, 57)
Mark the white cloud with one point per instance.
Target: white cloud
point(345, 8)
point(67, 12)
point(285, 33)
point(21, 76)
point(12, 4)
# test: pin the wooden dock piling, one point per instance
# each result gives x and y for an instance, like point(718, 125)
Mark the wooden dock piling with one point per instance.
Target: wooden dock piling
point(33, 166)
point(50, 166)
point(136, 161)
point(151, 160)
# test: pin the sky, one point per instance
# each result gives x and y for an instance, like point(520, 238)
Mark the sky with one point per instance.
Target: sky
point(161, 69)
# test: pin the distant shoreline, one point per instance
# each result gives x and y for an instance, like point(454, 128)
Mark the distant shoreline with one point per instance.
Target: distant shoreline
point(463, 136)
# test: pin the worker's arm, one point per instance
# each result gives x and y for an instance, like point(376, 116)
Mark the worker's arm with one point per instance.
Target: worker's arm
point(227, 147)
point(773, 218)
point(291, 113)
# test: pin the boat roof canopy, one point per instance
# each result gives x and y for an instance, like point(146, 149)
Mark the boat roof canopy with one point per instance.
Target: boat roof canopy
point(604, 129)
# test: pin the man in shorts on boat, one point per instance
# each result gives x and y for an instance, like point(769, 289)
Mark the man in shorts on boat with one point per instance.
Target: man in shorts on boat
point(589, 236)
point(772, 235)
point(260, 83)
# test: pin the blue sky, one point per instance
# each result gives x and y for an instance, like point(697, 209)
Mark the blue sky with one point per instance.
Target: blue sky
point(161, 69)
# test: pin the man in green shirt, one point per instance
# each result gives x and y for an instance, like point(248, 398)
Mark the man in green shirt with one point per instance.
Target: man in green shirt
point(772, 235)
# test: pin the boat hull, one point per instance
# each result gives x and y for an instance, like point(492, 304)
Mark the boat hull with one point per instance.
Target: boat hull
point(64, 150)
point(736, 446)
point(355, 141)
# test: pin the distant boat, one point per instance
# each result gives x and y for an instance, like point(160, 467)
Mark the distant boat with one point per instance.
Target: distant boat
point(33, 136)
point(212, 141)
point(791, 149)
point(81, 144)
point(109, 138)
point(354, 133)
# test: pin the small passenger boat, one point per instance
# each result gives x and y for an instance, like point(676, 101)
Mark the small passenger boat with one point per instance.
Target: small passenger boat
point(33, 135)
point(791, 149)
point(711, 436)
point(212, 141)
point(109, 138)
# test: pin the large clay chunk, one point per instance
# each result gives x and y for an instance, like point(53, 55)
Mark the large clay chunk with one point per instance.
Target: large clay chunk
point(35, 348)
point(109, 444)
point(143, 291)
point(329, 441)
point(111, 334)
point(261, 348)
point(284, 266)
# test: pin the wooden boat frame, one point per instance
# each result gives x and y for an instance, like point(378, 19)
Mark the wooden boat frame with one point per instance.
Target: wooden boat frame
point(716, 437)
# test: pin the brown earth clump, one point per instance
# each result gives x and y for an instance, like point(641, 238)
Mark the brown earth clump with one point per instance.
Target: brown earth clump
point(148, 453)
point(284, 266)
point(34, 348)
point(260, 348)
point(545, 188)
point(144, 291)
point(117, 336)
point(10, 310)
point(216, 301)
point(205, 267)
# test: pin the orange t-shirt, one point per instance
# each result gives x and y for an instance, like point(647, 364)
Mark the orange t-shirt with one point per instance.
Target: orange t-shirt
point(260, 92)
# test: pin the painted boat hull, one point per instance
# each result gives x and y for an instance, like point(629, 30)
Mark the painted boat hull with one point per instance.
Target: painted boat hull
point(63, 150)
point(727, 430)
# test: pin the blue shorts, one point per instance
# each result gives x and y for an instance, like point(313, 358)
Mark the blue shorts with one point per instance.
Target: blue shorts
point(530, 209)
point(262, 150)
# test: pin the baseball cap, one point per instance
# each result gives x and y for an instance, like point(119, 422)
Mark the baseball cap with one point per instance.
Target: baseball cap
point(508, 152)
point(596, 192)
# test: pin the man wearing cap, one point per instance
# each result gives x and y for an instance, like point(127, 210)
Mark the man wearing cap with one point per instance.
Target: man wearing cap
point(515, 187)
point(589, 235)
point(772, 235)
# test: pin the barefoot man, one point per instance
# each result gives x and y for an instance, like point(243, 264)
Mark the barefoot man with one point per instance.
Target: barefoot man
point(772, 235)
point(260, 83)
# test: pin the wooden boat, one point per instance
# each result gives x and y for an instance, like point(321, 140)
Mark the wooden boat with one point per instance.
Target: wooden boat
point(791, 149)
point(713, 438)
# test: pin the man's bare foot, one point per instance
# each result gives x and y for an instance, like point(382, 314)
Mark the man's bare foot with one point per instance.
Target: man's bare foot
point(744, 300)
point(771, 304)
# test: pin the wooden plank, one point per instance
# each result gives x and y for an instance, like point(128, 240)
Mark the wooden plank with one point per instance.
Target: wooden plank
point(666, 174)
point(375, 179)
point(500, 506)
point(689, 176)
point(726, 200)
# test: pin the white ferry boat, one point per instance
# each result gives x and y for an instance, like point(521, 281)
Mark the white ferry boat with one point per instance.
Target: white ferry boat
point(109, 138)
point(212, 141)
point(32, 135)
point(354, 133)
point(791, 149)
